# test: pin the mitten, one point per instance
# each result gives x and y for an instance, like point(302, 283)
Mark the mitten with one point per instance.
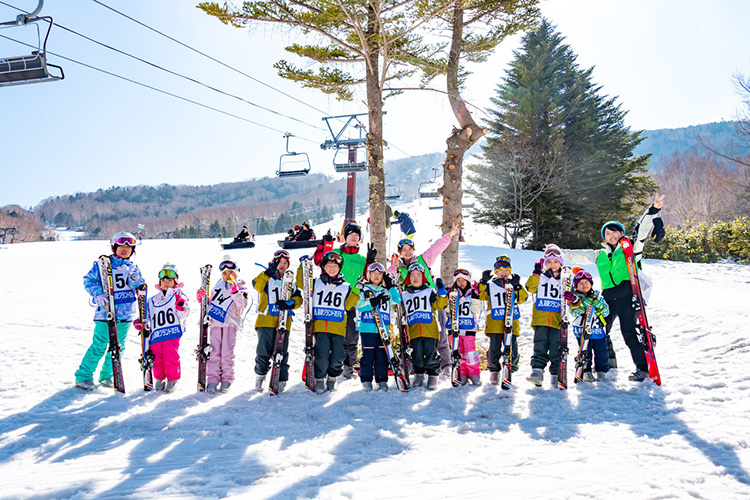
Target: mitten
point(285, 304)
point(538, 267)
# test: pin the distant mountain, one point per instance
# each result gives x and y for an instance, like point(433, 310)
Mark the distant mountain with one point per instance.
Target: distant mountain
point(663, 143)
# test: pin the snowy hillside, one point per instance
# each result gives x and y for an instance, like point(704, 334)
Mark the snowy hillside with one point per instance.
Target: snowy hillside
point(604, 440)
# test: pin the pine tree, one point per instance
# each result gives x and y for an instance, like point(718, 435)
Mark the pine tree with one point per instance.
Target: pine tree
point(558, 159)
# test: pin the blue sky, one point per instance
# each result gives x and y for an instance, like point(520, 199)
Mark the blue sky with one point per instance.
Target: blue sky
point(669, 62)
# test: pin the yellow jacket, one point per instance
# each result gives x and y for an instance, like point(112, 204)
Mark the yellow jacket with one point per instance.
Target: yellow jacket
point(497, 326)
point(265, 319)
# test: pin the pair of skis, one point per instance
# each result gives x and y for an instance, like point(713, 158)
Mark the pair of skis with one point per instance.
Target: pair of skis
point(454, 333)
point(287, 286)
point(308, 370)
point(566, 284)
point(506, 357)
point(108, 287)
point(400, 376)
point(203, 351)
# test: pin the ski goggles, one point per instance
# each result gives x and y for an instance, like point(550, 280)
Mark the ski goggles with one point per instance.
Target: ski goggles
point(406, 241)
point(125, 240)
point(281, 254)
point(417, 267)
point(228, 264)
point(333, 257)
point(502, 261)
point(167, 273)
point(376, 266)
point(462, 273)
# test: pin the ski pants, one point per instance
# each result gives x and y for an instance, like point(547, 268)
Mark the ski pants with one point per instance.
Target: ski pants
point(598, 353)
point(496, 352)
point(266, 346)
point(97, 349)
point(351, 340)
point(220, 366)
point(444, 349)
point(374, 358)
point(622, 308)
point(166, 359)
point(424, 355)
point(546, 348)
point(467, 346)
point(329, 354)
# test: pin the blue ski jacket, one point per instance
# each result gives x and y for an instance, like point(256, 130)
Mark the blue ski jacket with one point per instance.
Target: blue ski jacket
point(126, 311)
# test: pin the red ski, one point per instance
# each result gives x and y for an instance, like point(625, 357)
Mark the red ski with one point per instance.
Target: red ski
point(644, 330)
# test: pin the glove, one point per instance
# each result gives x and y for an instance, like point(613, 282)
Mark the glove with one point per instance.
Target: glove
point(372, 252)
point(138, 325)
point(598, 307)
point(486, 276)
point(377, 300)
point(439, 283)
point(570, 297)
point(200, 294)
point(515, 280)
point(179, 303)
point(387, 281)
point(327, 237)
point(271, 269)
point(100, 300)
point(538, 267)
point(285, 305)
point(658, 233)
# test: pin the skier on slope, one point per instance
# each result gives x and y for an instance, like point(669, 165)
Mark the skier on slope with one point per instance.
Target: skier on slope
point(353, 266)
point(492, 292)
point(225, 305)
point(612, 267)
point(377, 293)
point(545, 318)
point(406, 223)
point(268, 286)
point(166, 312)
point(126, 279)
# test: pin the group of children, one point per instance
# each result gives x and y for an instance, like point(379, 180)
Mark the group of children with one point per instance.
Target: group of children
point(344, 298)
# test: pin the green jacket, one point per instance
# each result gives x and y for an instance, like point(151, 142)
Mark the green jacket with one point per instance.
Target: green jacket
point(354, 265)
point(612, 267)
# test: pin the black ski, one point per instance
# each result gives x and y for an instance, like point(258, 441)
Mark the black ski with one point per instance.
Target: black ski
point(281, 332)
point(147, 357)
point(203, 351)
point(105, 274)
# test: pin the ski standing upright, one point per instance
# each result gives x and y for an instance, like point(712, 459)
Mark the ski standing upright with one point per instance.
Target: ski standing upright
point(105, 274)
point(287, 284)
point(645, 336)
point(403, 335)
point(402, 382)
point(583, 350)
point(510, 299)
point(147, 357)
point(308, 371)
point(566, 282)
point(454, 333)
point(204, 349)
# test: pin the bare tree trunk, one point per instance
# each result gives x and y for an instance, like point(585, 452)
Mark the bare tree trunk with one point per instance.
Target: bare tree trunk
point(376, 168)
point(458, 143)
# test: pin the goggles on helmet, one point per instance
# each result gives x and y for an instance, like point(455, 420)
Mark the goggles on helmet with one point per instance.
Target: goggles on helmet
point(333, 257)
point(416, 267)
point(376, 266)
point(406, 241)
point(502, 261)
point(167, 273)
point(278, 254)
point(227, 264)
point(124, 240)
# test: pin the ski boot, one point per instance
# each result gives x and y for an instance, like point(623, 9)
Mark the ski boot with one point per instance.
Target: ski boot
point(494, 378)
point(588, 377)
point(638, 376)
point(331, 383)
point(432, 382)
point(536, 377)
point(259, 382)
point(320, 385)
point(211, 388)
point(475, 380)
point(383, 386)
point(367, 386)
point(224, 388)
point(86, 385)
point(418, 380)
point(170, 386)
point(159, 384)
point(601, 376)
point(348, 372)
point(107, 382)
point(282, 386)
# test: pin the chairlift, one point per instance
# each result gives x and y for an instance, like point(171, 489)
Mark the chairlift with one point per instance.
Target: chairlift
point(292, 163)
point(33, 68)
point(351, 153)
point(429, 189)
point(392, 192)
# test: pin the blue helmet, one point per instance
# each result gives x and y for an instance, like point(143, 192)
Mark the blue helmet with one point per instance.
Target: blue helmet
point(612, 224)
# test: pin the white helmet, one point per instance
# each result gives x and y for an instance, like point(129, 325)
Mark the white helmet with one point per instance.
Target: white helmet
point(123, 238)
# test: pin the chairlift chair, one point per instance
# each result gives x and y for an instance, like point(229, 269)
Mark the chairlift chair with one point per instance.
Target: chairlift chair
point(429, 189)
point(392, 192)
point(350, 156)
point(33, 68)
point(292, 163)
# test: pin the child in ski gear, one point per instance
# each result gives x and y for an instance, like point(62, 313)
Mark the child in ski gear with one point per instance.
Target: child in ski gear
point(228, 300)
point(166, 312)
point(305, 233)
point(583, 296)
point(126, 280)
point(405, 257)
point(492, 292)
point(468, 307)
point(332, 298)
point(406, 223)
point(545, 318)
point(353, 266)
point(268, 286)
point(378, 293)
point(421, 303)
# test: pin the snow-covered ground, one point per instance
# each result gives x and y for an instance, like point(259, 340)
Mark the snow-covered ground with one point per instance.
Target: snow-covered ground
point(615, 439)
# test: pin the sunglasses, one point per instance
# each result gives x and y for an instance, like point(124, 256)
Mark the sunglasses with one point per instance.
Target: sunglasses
point(167, 273)
point(227, 264)
point(406, 241)
point(125, 240)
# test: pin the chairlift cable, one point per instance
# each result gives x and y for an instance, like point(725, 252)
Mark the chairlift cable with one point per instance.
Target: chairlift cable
point(154, 65)
point(156, 89)
point(210, 57)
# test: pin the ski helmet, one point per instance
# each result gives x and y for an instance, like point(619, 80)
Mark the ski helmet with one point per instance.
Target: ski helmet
point(228, 263)
point(334, 257)
point(415, 267)
point(582, 275)
point(462, 273)
point(502, 261)
point(613, 225)
point(376, 266)
point(168, 271)
point(406, 241)
point(123, 238)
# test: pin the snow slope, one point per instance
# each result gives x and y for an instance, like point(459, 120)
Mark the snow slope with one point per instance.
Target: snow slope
point(614, 439)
